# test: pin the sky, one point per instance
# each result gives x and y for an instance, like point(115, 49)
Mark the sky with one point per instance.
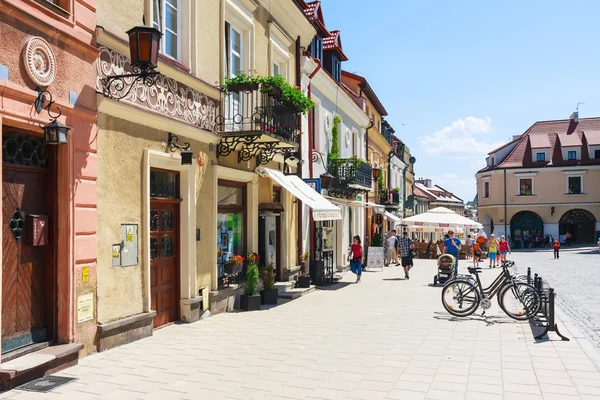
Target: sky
point(460, 78)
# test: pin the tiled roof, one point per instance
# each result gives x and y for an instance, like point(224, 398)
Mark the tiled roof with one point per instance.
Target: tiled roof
point(314, 13)
point(504, 145)
point(592, 137)
point(569, 140)
point(548, 132)
point(539, 141)
point(421, 193)
point(334, 43)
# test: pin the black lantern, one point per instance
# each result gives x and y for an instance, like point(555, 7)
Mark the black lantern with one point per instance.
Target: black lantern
point(144, 44)
point(56, 133)
point(326, 180)
point(186, 157)
point(376, 173)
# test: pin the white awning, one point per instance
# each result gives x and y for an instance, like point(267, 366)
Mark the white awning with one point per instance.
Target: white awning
point(323, 210)
point(396, 220)
point(377, 208)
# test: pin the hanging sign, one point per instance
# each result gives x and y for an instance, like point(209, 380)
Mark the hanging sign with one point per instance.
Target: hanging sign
point(444, 225)
point(418, 223)
point(419, 230)
point(439, 229)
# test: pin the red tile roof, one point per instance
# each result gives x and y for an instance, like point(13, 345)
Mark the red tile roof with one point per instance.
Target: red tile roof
point(569, 140)
point(368, 91)
point(418, 192)
point(314, 13)
point(539, 141)
point(548, 132)
point(592, 137)
point(334, 43)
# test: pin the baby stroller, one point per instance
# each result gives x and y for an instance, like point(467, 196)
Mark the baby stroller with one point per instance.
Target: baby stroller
point(445, 264)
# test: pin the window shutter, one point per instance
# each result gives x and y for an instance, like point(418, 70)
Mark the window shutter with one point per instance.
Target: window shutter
point(227, 48)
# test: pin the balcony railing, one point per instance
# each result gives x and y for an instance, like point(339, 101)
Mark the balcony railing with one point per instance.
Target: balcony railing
point(354, 173)
point(390, 198)
point(250, 112)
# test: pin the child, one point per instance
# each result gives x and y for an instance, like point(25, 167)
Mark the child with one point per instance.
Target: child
point(493, 250)
point(476, 254)
point(504, 248)
point(357, 257)
point(556, 247)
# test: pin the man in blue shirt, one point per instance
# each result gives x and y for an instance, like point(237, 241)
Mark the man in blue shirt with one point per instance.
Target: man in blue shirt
point(452, 247)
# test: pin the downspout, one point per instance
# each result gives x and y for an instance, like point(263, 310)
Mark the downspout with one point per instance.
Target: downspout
point(505, 233)
point(311, 117)
point(299, 167)
point(367, 227)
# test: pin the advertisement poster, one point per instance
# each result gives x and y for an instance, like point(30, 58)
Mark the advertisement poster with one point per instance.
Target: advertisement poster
point(375, 257)
point(327, 239)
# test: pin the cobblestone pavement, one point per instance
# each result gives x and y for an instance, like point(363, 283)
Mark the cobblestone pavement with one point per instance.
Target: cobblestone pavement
point(385, 338)
point(576, 278)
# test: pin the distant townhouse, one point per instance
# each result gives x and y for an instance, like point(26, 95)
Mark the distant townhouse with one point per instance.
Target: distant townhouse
point(544, 182)
point(440, 197)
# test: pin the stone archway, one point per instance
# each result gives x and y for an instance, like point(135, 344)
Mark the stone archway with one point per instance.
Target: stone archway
point(488, 224)
point(525, 228)
point(580, 223)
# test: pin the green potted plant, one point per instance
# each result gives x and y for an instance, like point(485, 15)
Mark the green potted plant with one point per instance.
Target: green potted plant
point(397, 190)
point(272, 86)
point(250, 300)
point(242, 82)
point(268, 295)
point(303, 279)
point(294, 96)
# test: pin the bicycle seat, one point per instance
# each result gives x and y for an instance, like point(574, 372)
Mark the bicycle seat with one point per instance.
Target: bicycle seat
point(474, 270)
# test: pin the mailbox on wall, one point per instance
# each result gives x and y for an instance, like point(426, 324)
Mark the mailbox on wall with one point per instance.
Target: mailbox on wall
point(37, 230)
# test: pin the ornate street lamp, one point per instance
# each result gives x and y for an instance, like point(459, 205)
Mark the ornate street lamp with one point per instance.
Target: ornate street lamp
point(376, 173)
point(172, 145)
point(55, 132)
point(144, 46)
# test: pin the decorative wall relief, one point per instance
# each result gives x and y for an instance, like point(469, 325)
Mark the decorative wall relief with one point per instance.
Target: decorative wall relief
point(167, 96)
point(39, 61)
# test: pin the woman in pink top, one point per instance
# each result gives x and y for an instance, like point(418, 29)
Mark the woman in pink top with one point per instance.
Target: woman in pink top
point(504, 248)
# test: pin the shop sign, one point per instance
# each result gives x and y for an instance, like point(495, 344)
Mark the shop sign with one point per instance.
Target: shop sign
point(314, 183)
point(444, 225)
point(375, 257)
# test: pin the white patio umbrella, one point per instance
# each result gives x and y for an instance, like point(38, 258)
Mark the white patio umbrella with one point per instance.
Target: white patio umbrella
point(440, 219)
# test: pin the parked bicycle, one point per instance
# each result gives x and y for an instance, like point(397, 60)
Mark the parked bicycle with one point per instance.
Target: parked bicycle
point(517, 298)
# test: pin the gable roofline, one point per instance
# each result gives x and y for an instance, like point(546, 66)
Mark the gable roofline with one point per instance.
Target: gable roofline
point(334, 43)
point(369, 92)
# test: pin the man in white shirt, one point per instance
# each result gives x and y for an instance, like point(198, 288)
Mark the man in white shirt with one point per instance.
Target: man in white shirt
point(390, 254)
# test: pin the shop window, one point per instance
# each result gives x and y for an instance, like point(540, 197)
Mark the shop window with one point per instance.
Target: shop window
point(276, 195)
point(525, 187)
point(230, 196)
point(574, 184)
point(231, 223)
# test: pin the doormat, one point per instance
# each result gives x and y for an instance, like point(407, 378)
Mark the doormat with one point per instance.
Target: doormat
point(46, 383)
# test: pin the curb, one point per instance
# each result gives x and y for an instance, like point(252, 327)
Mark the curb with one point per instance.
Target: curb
point(589, 349)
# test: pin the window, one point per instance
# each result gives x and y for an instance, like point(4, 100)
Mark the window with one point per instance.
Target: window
point(166, 20)
point(276, 195)
point(234, 50)
point(541, 157)
point(597, 154)
point(486, 189)
point(231, 223)
point(525, 187)
point(316, 48)
point(572, 155)
point(276, 69)
point(574, 184)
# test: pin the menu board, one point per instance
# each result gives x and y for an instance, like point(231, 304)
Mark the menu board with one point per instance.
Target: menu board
point(375, 257)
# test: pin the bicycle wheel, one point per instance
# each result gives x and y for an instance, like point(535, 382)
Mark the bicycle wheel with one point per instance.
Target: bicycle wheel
point(460, 298)
point(519, 300)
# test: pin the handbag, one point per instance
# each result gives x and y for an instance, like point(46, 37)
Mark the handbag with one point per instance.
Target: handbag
point(412, 254)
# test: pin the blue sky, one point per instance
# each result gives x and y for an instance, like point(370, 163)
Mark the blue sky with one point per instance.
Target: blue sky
point(464, 76)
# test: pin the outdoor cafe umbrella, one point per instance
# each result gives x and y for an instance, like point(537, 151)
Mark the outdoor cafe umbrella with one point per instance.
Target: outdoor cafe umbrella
point(439, 219)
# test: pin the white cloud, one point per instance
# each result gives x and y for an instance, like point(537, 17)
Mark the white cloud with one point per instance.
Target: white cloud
point(463, 138)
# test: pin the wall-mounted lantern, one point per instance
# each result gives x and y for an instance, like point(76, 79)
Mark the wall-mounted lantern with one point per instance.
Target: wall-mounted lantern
point(144, 46)
point(172, 145)
point(55, 132)
point(376, 173)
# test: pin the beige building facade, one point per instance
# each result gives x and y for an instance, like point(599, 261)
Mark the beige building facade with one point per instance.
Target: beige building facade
point(544, 183)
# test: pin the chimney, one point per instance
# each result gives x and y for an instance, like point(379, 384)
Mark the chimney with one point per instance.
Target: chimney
point(515, 137)
point(575, 117)
point(428, 183)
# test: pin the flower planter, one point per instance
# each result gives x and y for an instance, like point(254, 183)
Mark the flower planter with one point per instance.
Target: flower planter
point(274, 92)
point(244, 87)
point(269, 296)
point(304, 282)
point(250, 303)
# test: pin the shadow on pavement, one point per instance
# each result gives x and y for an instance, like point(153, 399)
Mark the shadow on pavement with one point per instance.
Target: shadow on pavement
point(335, 286)
point(394, 279)
point(489, 320)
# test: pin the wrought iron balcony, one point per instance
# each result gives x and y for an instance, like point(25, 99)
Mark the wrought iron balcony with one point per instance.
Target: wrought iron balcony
point(257, 124)
point(354, 173)
point(390, 198)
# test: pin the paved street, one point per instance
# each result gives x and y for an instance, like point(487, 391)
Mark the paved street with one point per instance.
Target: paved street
point(575, 277)
point(386, 338)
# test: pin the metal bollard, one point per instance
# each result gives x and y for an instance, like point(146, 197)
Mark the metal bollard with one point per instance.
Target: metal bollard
point(535, 281)
point(529, 275)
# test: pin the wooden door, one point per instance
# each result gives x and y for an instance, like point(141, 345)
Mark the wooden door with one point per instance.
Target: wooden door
point(24, 267)
point(164, 260)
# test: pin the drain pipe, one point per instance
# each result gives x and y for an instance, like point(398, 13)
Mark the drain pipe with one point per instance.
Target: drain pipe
point(367, 227)
point(299, 167)
point(311, 117)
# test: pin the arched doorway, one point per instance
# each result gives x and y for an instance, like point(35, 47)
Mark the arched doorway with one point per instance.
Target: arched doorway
point(488, 224)
point(525, 226)
point(581, 224)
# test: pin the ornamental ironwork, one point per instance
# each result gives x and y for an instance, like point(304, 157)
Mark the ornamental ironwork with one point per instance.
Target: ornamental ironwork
point(257, 125)
point(355, 173)
point(165, 95)
point(390, 198)
point(16, 224)
point(24, 150)
point(163, 184)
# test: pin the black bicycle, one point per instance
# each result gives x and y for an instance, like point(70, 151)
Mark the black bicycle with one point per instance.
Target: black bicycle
point(517, 298)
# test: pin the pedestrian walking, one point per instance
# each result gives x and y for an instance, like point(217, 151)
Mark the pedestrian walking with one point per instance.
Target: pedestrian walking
point(452, 247)
point(504, 248)
point(357, 258)
point(556, 247)
point(493, 250)
point(406, 245)
point(470, 242)
point(568, 239)
point(390, 254)
point(476, 254)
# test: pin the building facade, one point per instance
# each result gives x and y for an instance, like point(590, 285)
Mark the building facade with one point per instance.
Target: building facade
point(544, 183)
point(156, 213)
point(49, 196)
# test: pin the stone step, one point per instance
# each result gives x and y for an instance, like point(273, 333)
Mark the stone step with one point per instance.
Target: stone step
point(38, 364)
point(297, 292)
point(339, 275)
point(283, 286)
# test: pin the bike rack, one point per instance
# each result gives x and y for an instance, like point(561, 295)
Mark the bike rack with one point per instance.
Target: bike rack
point(547, 309)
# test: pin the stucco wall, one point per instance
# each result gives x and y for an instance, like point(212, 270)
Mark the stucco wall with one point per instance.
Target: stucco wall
point(118, 16)
point(121, 147)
